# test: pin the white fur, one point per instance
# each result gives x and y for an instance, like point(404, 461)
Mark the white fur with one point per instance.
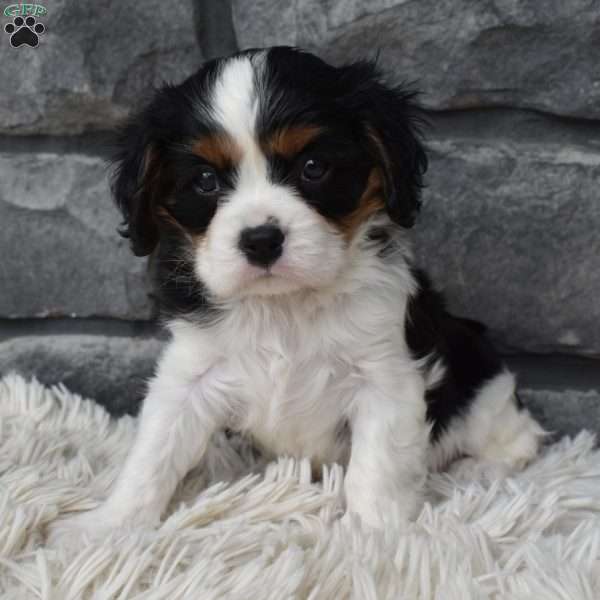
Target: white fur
point(494, 430)
point(435, 374)
point(234, 101)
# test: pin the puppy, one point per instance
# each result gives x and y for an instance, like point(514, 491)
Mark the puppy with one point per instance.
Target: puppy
point(274, 192)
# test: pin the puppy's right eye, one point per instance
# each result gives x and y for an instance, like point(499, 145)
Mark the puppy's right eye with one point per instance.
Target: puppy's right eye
point(207, 181)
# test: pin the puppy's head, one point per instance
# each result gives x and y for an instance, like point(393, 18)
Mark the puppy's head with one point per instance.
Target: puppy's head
point(261, 172)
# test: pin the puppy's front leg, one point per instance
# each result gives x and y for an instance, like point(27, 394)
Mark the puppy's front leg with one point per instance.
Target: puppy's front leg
point(179, 415)
point(387, 467)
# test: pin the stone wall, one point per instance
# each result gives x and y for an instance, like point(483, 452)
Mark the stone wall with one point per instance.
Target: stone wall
point(511, 217)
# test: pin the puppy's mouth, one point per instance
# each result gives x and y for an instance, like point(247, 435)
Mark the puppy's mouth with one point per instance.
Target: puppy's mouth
point(272, 272)
point(277, 278)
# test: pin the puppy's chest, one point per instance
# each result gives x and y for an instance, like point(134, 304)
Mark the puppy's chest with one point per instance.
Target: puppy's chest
point(296, 390)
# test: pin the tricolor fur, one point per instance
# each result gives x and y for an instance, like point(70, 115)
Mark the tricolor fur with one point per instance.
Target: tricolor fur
point(274, 192)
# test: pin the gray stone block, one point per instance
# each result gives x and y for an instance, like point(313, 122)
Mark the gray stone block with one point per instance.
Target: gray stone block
point(461, 53)
point(562, 392)
point(564, 412)
point(61, 254)
point(509, 230)
point(94, 63)
point(111, 370)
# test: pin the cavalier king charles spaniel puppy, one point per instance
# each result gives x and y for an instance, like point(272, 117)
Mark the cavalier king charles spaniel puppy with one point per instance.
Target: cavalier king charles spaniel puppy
point(274, 192)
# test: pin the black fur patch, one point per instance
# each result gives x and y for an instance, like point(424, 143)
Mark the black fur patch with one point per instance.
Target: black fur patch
point(338, 194)
point(366, 123)
point(162, 134)
point(461, 344)
point(179, 292)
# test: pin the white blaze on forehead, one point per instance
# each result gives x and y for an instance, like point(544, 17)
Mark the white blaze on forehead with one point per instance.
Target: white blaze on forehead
point(234, 105)
point(235, 99)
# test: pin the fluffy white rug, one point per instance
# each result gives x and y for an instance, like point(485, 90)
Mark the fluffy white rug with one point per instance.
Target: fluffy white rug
point(275, 534)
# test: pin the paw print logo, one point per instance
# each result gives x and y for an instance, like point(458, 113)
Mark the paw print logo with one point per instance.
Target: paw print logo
point(24, 31)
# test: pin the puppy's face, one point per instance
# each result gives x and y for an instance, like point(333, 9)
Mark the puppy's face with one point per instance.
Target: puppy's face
point(260, 173)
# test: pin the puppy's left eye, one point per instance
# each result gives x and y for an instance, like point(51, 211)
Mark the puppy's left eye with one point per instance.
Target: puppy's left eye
point(207, 181)
point(314, 169)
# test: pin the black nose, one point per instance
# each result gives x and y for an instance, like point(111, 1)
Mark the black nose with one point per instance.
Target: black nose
point(262, 245)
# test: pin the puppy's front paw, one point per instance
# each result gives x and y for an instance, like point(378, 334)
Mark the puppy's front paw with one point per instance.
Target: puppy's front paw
point(380, 510)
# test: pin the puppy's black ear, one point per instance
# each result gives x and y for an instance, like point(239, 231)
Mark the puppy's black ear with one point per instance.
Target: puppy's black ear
point(135, 184)
point(393, 124)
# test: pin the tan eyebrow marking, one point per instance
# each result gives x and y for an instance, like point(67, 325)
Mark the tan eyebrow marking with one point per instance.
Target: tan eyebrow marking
point(289, 141)
point(218, 149)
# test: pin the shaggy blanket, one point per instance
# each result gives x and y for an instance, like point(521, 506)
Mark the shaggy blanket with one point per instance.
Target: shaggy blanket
point(240, 529)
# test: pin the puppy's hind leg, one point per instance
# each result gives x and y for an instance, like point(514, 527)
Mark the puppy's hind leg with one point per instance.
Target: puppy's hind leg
point(500, 436)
